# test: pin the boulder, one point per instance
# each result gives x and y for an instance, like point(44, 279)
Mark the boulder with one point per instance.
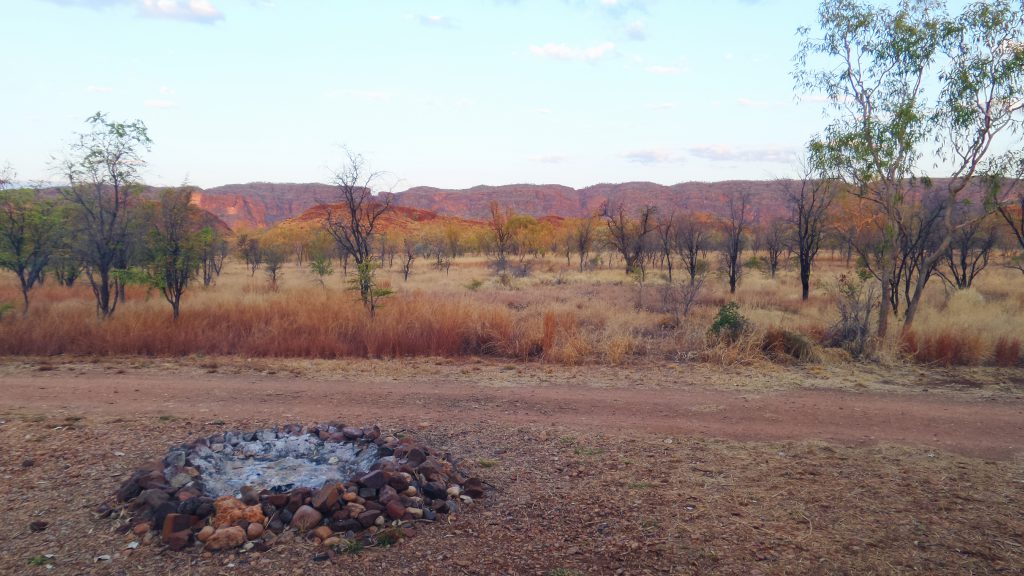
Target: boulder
point(226, 538)
point(306, 518)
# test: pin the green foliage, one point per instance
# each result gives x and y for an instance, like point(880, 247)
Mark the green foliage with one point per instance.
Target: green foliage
point(39, 560)
point(365, 281)
point(474, 284)
point(729, 323)
point(855, 300)
point(321, 266)
point(30, 235)
point(5, 309)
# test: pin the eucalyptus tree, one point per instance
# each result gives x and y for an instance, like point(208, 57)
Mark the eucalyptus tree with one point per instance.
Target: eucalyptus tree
point(905, 81)
point(103, 168)
point(29, 234)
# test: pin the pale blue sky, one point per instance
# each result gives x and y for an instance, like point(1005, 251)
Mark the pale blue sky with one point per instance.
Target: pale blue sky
point(440, 93)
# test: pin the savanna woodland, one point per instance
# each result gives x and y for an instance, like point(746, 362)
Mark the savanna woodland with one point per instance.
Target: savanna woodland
point(820, 373)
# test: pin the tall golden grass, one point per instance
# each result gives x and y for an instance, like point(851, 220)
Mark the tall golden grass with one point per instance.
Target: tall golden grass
point(556, 315)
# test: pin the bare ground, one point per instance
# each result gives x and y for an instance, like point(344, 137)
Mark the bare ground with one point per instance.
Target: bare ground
point(655, 469)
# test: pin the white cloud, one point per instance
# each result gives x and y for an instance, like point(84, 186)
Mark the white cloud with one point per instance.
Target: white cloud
point(544, 110)
point(98, 89)
point(636, 30)
point(652, 156)
point(548, 158)
point(720, 153)
point(435, 21)
point(166, 91)
point(758, 104)
point(160, 104)
point(665, 70)
point(663, 106)
point(191, 10)
point(564, 52)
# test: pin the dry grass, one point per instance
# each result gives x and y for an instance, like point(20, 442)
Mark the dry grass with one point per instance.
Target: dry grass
point(556, 314)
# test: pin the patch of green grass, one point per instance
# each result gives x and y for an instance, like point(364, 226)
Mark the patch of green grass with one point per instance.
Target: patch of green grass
point(38, 561)
point(74, 418)
point(166, 418)
point(486, 463)
point(387, 538)
point(587, 451)
point(639, 485)
point(352, 547)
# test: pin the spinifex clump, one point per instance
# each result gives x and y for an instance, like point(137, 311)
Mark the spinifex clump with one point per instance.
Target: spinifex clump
point(327, 481)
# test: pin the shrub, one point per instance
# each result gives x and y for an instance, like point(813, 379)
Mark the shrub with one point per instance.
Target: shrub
point(780, 344)
point(855, 300)
point(1006, 352)
point(947, 348)
point(729, 323)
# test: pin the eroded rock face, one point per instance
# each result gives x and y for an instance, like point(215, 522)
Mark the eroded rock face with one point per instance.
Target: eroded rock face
point(320, 481)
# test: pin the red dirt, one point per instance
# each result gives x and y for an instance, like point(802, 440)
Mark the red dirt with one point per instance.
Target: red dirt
point(969, 427)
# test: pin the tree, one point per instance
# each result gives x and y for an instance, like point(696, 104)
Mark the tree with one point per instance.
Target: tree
point(274, 257)
point(176, 245)
point(628, 235)
point(582, 238)
point(353, 221)
point(502, 234)
point(906, 80)
point(251, 251)
point(693, 237)
point(734, 230)
point(809, 199)
point(968, 254)
point(29, 236)
point(103, 169)
point(410, 249)
point(665, 229)
point(774, 239)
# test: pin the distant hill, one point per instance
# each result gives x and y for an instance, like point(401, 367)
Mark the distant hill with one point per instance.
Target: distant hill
point(262, 204)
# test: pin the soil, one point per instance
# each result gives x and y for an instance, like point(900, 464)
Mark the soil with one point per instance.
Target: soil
point(636, 470)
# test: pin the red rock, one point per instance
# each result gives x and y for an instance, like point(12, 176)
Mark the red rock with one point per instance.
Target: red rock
point(395, 509)
point(141, 528)
point(474, 488)
point(254, 531)
point(367, 518)
point(177, 540)
point(415, 457)
point(205, 533)
point(322, 532)
point(373, 480)
point(176, 523)
point(305, 518)
point(226, 538)
point(325, 498)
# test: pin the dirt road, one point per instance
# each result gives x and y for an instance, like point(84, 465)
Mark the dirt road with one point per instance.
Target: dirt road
point(983, 428)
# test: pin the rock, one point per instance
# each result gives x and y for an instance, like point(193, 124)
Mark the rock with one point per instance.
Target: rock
point(177, 540)
point(180, 479)
point(226, 538)
point(128, 490)
point(395, 509)
point(373, 480)
point(355, 509)
point(367, 518)
point(38, 525)
point(453, 491)
point(151, 498)
point(325, 498)
point(332, 541)
point(352, 433)
point(285, 516)
point(205, 533)
point(254, 531)
point(349, 496)
point(415, 512)
point(250, 495)
point(399, 482)
point(350, 525)
point(175, 459)
point(141, 528)
point(415, 457)
point(28, 463)
point(230, 510)
point(366, 492)
point(305, 518)
point(474, 488)
point(435, 490)
point(276, 526)
point(386, 494)
point(322, 532)
point(176, 523)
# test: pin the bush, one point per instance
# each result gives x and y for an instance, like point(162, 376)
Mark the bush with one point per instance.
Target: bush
point(945, 347)
point(780, 344)
point(856, 300)
point(729, 323)
point(1006, 352)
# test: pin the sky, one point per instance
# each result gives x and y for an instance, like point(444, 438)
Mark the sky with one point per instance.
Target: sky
point(440, 93)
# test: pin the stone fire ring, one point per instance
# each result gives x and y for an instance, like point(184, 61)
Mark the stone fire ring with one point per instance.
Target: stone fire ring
point(370, 488)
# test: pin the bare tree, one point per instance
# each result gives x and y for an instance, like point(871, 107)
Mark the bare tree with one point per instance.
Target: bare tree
point(410, 249)
point(353, 221)
point(665, 230)
point(734, 231)
point(809, 199)
point(502, 233)
point(103, 169)
point(692, 240)
point(582, 238)
point(774, 240)
point(968, 254)
point(628, 235)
